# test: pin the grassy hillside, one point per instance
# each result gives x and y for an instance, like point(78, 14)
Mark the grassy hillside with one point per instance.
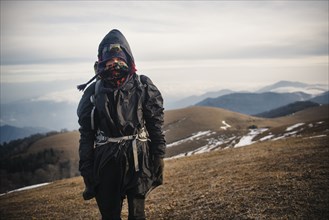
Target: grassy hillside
point(288, 109)
point(60, 151)
point(284, 179)
point(39, 159)
point(310, 114)
point(66, 143)
point(181, 123)
point(184, 123)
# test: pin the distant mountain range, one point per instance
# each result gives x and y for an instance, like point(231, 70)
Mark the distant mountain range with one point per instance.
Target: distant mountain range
point(254, 103)
point(270, 97)
point(321, 99)
point(56, 116)
point(9, 133)
point(279, 87)
point(191, 100)
point(48, 114)
point(289, 87)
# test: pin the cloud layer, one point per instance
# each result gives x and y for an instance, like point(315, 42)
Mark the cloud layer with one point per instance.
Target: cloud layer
point(178, 44)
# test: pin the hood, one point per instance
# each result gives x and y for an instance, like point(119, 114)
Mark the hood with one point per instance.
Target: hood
point(113, 37)
point(116, 37)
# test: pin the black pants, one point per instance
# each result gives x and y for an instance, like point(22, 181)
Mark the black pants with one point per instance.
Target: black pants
point(110, 194)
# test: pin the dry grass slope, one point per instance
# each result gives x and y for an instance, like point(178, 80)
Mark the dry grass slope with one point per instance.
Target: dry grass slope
point(310, 114)
point(182, 123)
point(285, 179)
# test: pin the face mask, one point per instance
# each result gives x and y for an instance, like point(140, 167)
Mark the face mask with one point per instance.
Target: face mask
point(115, 73)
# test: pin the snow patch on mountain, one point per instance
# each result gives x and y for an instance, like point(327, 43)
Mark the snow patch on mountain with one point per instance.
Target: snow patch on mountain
point(191, 138)
point(223, 142)
point(294, 126)
point(226, 126)
point(248, 139)
point(26, 188)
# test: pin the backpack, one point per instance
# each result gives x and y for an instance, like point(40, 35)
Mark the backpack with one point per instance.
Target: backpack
point(93, 98)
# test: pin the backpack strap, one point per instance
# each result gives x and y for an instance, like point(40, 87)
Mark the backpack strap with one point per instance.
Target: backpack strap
point(92, 114)
point(141, 84)
point(93, 101)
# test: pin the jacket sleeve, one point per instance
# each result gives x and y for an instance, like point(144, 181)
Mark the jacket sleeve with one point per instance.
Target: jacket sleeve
point(87, 134)
point(154, 117)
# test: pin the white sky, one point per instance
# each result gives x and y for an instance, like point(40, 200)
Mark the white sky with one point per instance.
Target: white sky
point(185, 47)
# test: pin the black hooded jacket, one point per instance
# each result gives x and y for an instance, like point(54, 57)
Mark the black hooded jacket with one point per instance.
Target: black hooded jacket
point(119, 112)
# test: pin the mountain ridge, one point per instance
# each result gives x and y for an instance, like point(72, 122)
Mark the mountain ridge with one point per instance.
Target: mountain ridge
point(188, 131)
point(9, 133)
point(287, 109)
point(254, 103)
point(282, 86)
point(295, 86)
point(191, 100)
point(57, 115)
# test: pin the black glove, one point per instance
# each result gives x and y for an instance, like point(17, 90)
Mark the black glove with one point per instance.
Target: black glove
point(158, 170)
point(89, 192)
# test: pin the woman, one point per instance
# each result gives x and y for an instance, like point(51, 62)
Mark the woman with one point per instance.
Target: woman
point(122, 144)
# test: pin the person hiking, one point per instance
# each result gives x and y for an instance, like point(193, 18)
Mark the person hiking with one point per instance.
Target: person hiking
point(122, 144)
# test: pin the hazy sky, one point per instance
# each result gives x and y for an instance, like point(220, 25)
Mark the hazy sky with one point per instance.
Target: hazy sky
point(185, 47)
